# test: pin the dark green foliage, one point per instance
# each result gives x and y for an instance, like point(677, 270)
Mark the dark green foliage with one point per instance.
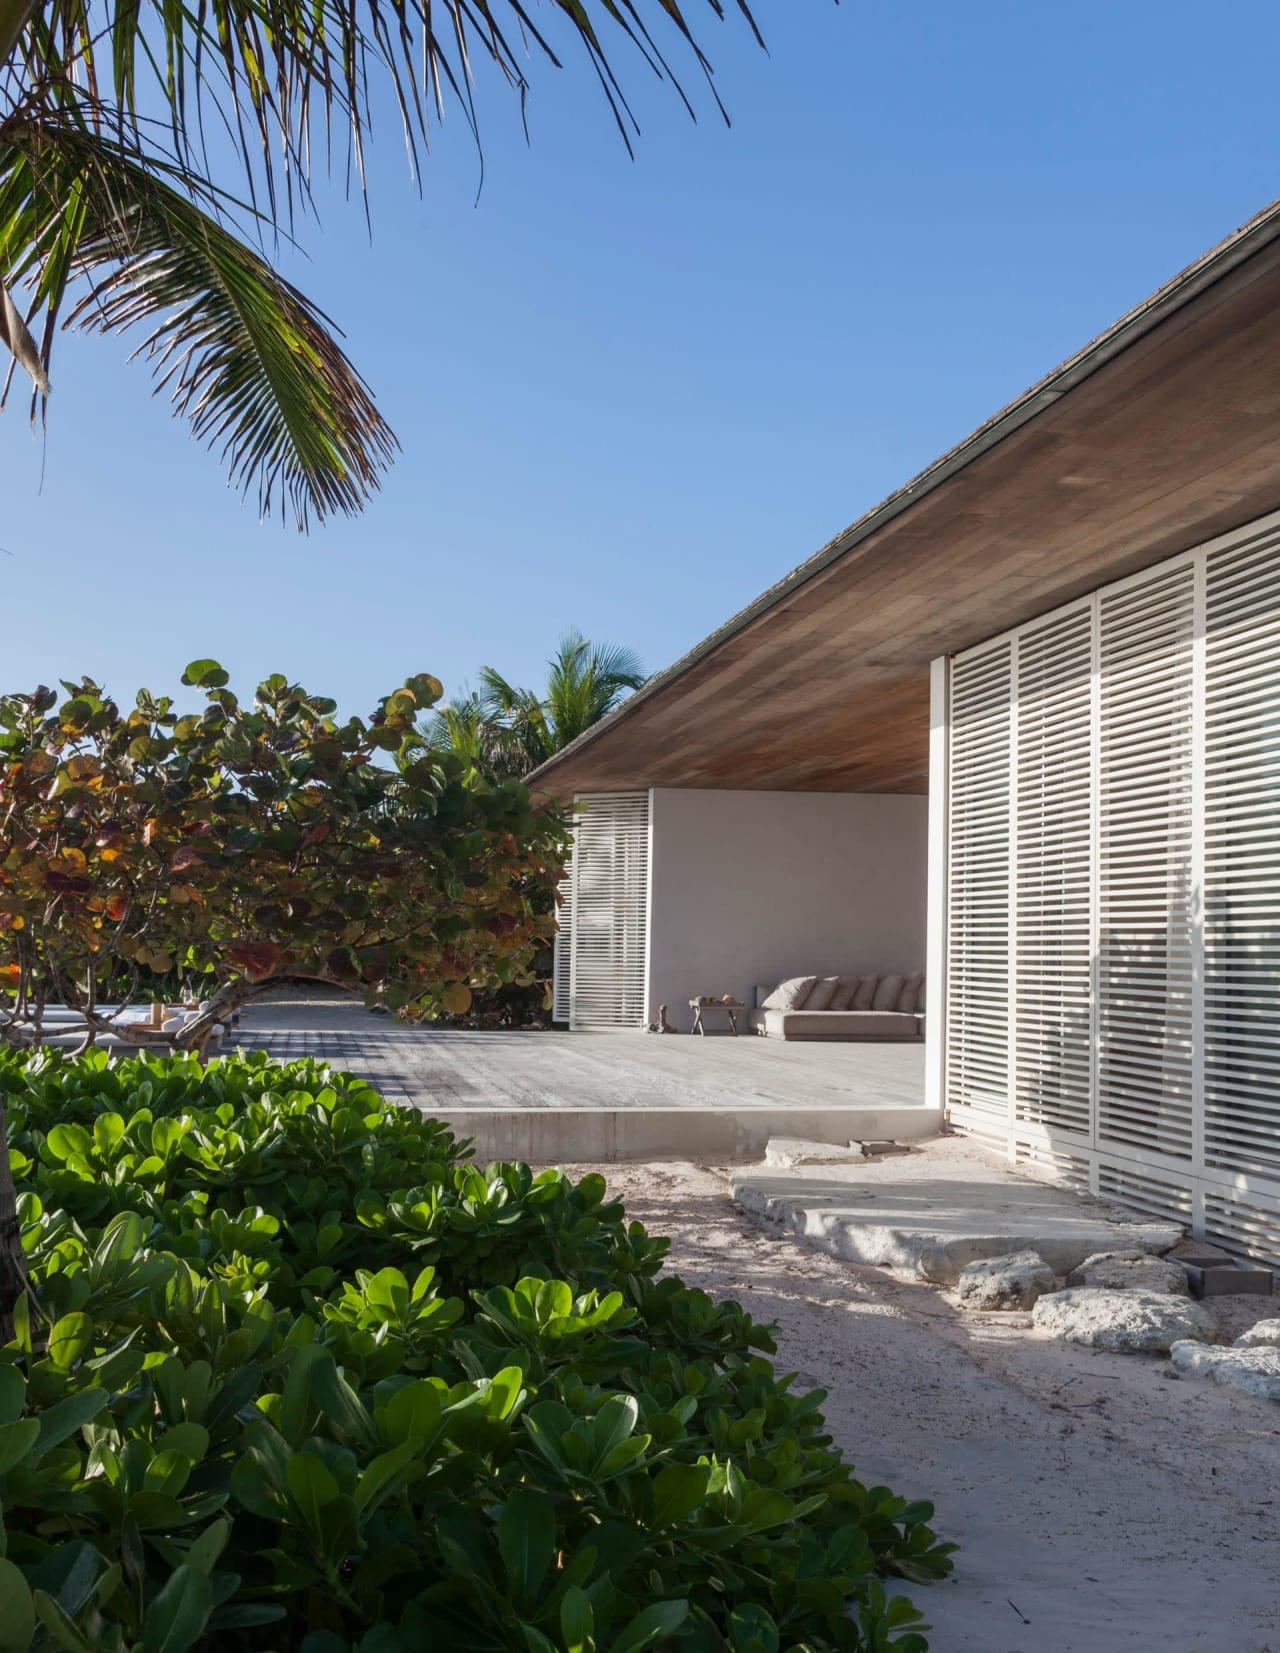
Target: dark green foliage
point(304, 1378)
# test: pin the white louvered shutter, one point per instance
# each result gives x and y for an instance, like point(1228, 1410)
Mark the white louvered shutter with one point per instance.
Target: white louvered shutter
point(1242, 861)
point(1143, 770)
point(610, 901)
point(561, 1000)
point(977, 1003)
point(1146, 898)
point(1053, 826)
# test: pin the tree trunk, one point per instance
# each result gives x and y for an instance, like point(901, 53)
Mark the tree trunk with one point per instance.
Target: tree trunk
point(13, 1260)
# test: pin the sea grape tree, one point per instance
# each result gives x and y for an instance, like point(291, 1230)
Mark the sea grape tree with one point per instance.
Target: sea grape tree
point(257, 839)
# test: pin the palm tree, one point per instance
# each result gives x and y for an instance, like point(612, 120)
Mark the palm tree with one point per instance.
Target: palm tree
point(467, 728)
point(503, 730)
point(109, 220)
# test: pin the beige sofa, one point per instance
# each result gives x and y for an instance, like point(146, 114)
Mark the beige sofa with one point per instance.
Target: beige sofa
point(841, 1007)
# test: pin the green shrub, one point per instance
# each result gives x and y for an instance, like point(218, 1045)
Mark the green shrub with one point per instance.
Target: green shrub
point(302, 1377)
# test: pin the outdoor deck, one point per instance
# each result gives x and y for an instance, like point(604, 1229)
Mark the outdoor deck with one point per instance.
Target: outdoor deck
point(604, 1095)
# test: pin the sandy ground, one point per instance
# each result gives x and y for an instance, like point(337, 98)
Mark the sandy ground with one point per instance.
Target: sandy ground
point(1102, 1504)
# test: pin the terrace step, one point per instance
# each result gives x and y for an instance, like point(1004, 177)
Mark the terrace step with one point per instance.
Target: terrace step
point(932, 1211)
point(713, 1135)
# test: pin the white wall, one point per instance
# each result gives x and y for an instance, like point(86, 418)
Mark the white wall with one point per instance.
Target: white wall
point(750, 887)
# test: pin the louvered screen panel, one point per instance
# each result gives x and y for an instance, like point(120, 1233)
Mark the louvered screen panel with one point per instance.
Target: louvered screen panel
point(1245, 1222)
point(1146, 1191)
point(1072, 1170)
point(610, 910)
point(1141, 758)
point(977, 1059)
point(561, 1000)
point(1145, 890)
point(1242, 859)
point(1052, 1085)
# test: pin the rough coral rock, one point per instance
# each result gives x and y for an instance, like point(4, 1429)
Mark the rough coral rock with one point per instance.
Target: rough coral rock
point(787, 1152)
point(1265, 1335)
point(1015, 1281)
point(1254, 1371)
point(1131, 1271)
point(1124, 1322)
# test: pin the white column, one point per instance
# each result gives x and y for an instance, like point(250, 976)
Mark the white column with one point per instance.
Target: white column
point(936, 946)
point(573, 922)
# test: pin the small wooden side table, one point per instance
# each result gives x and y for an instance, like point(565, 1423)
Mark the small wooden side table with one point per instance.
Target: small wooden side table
point(700, 1009)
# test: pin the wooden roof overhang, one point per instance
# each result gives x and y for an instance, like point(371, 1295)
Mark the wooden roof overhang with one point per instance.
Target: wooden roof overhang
point(1160, 434)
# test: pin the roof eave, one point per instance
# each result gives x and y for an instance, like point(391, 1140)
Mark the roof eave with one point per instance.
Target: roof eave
point(1184, 287)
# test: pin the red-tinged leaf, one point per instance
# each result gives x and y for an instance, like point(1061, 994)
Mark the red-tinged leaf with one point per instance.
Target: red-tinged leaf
point(258, 959)
point(63, 883)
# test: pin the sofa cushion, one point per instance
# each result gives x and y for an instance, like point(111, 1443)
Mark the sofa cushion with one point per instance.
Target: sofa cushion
point(866, 991)
point(846, 987)
point(821, 994)
point(887, 990)
point(836, 1024)
point(920, 997)
point(909, 996)
point(790, 994)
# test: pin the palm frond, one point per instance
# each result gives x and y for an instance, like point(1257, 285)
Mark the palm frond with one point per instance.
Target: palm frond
point(466, 727)
point(267, 71)
point(242, 354)
point(585, 682)
point(90, 194)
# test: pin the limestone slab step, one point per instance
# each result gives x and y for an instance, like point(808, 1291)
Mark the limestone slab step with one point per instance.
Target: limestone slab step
point(939, 1208)
point(786, 1152)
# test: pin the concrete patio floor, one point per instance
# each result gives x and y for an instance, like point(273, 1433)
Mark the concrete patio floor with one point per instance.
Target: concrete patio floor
point(555, 1095)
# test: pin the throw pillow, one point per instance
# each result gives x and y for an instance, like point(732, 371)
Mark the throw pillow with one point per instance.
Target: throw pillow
point(790, 994)
point(842, 998)
point(823, 992)
point(866, 992)
point(887, 993)
point(909, 996)
point(920, 998)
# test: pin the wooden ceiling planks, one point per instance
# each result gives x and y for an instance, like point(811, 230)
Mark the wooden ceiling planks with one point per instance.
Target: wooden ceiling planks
point(1174, 440)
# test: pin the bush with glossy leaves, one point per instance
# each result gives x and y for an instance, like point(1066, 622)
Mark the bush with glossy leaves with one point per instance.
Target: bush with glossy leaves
point(300, 1376)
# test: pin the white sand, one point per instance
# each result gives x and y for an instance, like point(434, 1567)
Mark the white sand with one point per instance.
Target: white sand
point(1102, 1506)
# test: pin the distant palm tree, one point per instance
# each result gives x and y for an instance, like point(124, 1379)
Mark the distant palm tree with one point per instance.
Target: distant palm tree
point(504, 730)
point(110, 221)
point(466, 728)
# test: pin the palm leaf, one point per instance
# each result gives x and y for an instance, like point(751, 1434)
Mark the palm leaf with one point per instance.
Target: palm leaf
point(89, 202)
point(242, 354)
point(586, 681)
point(267, 70)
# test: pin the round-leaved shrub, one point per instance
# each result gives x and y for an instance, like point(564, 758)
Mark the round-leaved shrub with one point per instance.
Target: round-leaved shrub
point(296, 1376)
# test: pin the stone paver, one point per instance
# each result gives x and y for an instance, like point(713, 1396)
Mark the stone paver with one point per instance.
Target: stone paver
point(1131, 1271)
point(939, 1208)
point(1124, 1322)
point(1252, 1371)
point(1017, 1281)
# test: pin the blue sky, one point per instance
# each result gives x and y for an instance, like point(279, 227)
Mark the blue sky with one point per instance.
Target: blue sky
point(633, 394)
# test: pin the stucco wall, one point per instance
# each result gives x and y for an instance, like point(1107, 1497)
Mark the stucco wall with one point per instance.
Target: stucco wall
point(749, 887)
